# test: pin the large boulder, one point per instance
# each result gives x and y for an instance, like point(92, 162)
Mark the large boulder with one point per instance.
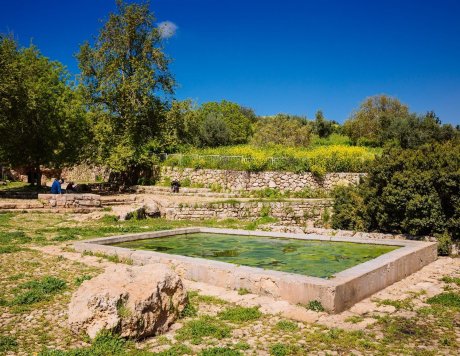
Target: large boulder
point(152, 208)
point(132, 301)
point(128, 212)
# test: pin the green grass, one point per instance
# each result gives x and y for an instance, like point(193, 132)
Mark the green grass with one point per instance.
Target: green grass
point(38, 290)
point(243, 291)
point(209, 299)
point(175, 350)
point(205, 326)
point(16, 186)
point(7, 343)
point(449, 279)
point(286, 325)
point(354, 319)
point(10, 249)
point(450, 300)
point(80, 279)
point(240, 314)
point(103, 345)
point(220, 351)
point(406, 303)
point(280, 349)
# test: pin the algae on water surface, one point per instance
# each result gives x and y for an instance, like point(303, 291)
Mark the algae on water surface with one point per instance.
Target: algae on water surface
point(307, 257)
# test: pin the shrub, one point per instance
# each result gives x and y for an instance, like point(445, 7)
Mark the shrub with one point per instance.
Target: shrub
point(315, 305)
point(349, 209)
point(414, 192)
point(333, 158)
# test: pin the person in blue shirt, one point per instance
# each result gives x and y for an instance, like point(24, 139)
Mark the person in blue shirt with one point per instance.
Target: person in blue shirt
point(56, 186)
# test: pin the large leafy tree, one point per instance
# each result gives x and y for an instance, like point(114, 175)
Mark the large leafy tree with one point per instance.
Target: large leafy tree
point(371, 121)
point(42, 118)
point(283, 130)
point(225, 113)
point(127, 84)
point(383, 120)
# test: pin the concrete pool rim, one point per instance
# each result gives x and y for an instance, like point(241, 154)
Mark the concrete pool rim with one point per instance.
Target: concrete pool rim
point(336, 294)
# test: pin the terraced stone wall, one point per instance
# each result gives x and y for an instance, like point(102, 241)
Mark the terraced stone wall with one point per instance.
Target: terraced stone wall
point(312, 212)
point(243, 180)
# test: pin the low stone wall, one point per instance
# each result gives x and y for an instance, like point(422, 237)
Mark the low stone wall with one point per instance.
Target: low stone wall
point(70, 200)
point(243, 180)
point(312, 212)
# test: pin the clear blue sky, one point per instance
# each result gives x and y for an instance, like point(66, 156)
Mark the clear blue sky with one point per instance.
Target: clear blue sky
point(288, 56)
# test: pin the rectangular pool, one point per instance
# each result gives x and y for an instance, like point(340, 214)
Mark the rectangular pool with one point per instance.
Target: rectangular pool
point(308, 257)
point(298, 268)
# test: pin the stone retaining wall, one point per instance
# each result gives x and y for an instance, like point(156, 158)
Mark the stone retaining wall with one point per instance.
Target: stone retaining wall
point(312, 212)
point(243, 180)
point(71, 200)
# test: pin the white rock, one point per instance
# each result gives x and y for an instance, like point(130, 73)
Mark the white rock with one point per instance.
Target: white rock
point(132, 301)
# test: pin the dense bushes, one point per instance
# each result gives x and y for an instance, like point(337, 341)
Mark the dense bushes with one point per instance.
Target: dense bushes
point(408, 191)
point(318, 160)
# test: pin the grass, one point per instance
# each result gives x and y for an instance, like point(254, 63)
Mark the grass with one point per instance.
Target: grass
point(354, 319)
point(7, 343)
point(80, 279)
point(280, 349)
point(39, 290)
point(450, 300)
point(9, 249)
point(110, 258)
point(104, 344)
point(205, 326)
point(240, 314)
point(175, 350)
point(449, 279)
point(399, 304)
point(286, 325)
point(220, 351)
point(243, 291)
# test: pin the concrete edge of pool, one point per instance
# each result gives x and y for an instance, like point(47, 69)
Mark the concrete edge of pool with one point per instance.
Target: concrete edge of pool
point(336, 294)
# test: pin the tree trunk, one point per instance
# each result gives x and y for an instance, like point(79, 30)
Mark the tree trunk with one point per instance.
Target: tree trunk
point(38, 174)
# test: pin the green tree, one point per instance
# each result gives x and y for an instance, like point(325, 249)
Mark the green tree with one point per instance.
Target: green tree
point(282, 130)
point(322, 127)
point(182, 126)
point(371, 121)
point(214, 131)
point(42, 118)
point(237, 119)
point(127, 81)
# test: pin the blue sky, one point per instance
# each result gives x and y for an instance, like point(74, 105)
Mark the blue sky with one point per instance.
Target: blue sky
point(288, 56)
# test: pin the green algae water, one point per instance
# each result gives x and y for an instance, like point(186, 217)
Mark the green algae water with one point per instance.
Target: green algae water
point(311, 258)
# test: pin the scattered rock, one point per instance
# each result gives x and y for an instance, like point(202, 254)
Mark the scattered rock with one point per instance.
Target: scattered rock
point(132, 301)
point(127, 212)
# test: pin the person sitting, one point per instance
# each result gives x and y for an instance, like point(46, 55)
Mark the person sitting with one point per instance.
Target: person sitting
point(175, 186)
point(71, 187)
point(56, 186)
